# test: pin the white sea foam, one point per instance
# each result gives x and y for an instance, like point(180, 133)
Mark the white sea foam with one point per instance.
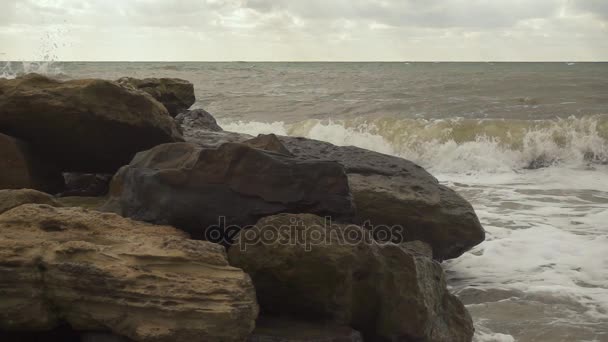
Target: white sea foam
point(459, 145)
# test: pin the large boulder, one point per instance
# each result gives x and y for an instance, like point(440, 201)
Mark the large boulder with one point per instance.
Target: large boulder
point(23, 168)
point(387, 190)
point(175, 94)
point(207, 191)
point(394, 192)
point(101, 272)
point(10, 199)
point(303, 266)
point(92, 126)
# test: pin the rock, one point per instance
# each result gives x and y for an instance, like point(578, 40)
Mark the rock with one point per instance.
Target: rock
point(90, 126)
point(200, 128)
point(192, 188)
point(268, 142)
point(175, 94)
point(387, 190)
point(92, 203)
point(280, 329)
point(22, 168)
point(197, 119)
point(208, 139)
point(10, 199)
point(394, 192)
point(101, 272)
point(86, 184)
point(302, 266)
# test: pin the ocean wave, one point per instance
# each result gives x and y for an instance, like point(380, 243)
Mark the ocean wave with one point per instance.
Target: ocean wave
point(460, 145)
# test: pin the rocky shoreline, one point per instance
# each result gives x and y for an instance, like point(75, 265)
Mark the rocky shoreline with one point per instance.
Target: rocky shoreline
point(126, 216)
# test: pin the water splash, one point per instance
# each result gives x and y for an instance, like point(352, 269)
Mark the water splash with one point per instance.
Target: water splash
point(12, 70)
point(461, 145)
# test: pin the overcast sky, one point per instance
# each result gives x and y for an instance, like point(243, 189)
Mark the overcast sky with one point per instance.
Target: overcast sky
point(360, 30)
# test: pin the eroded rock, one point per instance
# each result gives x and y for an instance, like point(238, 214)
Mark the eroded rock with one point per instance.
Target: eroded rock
point(101, 272)
point(90, 126)
point(10, 199)
point(336, 273)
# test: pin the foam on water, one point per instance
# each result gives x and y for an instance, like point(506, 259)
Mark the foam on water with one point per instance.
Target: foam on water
point(460, 145)
point(542, 273)
point(546, 247)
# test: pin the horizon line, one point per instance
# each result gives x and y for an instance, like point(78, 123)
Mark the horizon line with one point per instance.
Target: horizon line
point(303, 61)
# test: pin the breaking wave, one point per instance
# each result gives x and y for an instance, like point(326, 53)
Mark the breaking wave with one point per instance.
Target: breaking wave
point(460, 145)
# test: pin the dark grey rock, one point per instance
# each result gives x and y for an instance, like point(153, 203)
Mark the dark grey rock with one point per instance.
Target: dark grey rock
point(192, 188)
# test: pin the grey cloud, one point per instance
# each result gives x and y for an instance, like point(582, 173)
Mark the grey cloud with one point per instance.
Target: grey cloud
point(595, 7)
point(423, 13)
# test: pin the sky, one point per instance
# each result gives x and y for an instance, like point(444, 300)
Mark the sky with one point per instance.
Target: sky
point(304, 30)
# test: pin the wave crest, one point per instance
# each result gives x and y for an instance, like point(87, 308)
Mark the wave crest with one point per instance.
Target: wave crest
point(460, 145)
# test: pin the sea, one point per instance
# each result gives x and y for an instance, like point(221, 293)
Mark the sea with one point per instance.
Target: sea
point(525, 143)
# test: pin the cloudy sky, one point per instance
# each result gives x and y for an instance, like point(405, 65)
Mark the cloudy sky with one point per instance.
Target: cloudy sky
point(361, 30)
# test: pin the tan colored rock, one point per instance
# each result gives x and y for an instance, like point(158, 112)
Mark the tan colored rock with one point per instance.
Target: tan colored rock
point(21, 168)
point(335, 273)
point(175, 94)
point(89, 126)
point(99, 271)
point(10, 199)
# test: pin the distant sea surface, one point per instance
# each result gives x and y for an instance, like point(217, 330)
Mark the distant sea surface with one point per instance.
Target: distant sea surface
point(525, 143)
